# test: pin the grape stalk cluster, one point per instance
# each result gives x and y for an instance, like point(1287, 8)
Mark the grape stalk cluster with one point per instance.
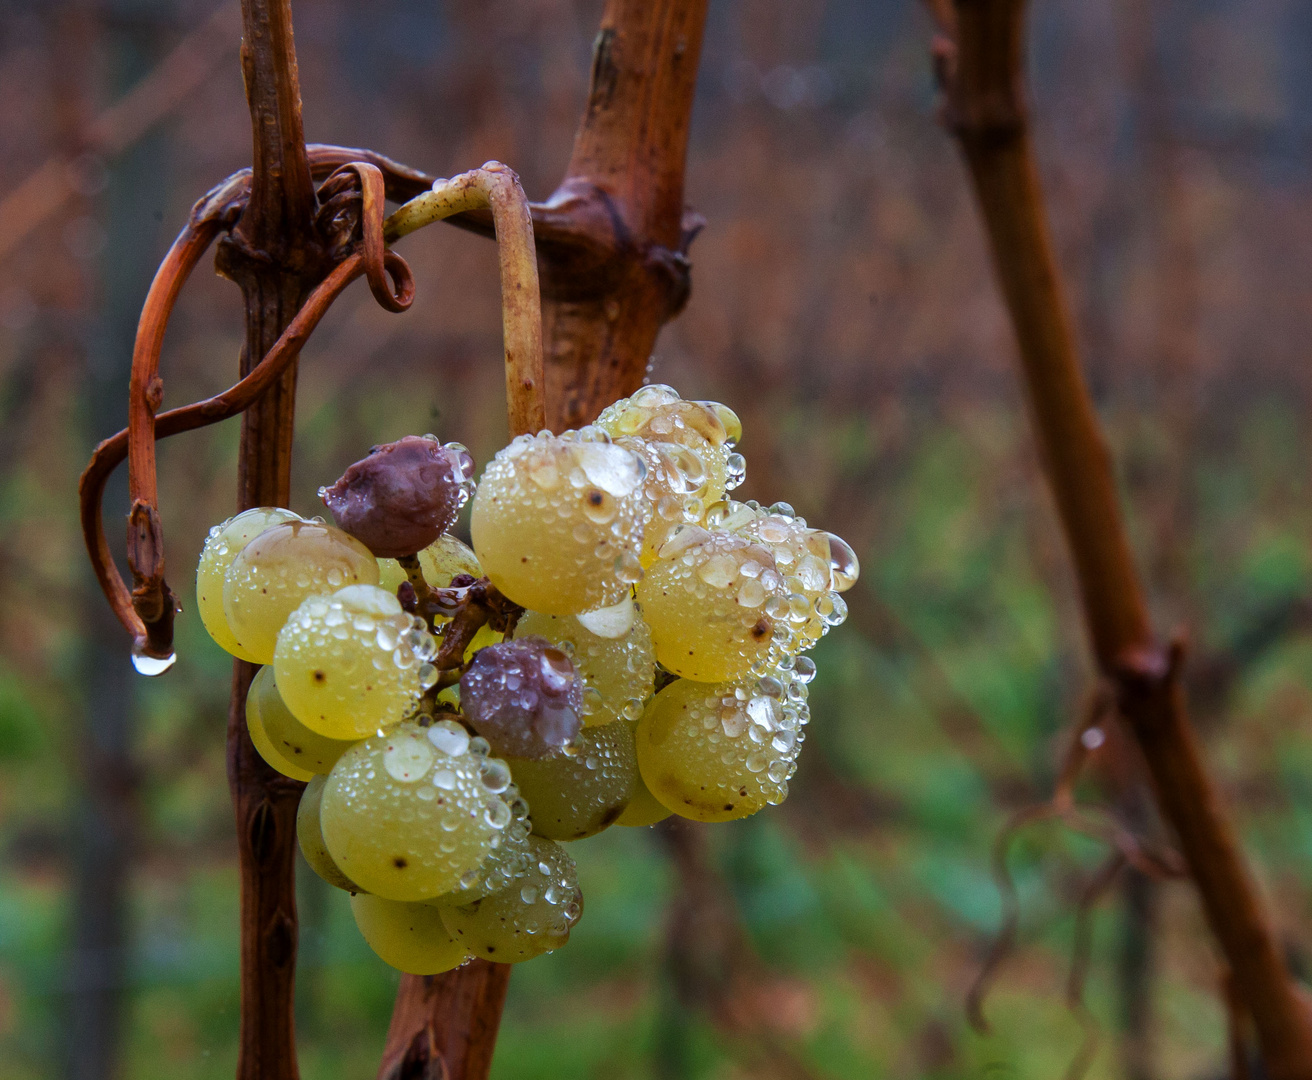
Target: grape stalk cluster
point(624, 641)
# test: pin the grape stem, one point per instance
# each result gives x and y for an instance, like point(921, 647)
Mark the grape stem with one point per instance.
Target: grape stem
point(496, 187)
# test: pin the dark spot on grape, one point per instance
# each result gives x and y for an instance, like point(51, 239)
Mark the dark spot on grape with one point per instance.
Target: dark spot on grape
point(320, 676)
point(400, 863)
point(491, 948)
point(611, 815)
point(595, 497)
point(761, 631)
point(743, 792)
point(523, 558)
point(265, 591)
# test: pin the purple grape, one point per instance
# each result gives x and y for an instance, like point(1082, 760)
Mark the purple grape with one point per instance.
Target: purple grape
point(403, 496)
point(524, 697)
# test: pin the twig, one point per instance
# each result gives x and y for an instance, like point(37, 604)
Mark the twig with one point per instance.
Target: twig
point(980, 63)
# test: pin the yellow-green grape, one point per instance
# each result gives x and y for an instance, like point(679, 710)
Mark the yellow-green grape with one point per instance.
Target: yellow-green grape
point(292, 740)
point(617, 664)
point(716, 753)
point(679, 486)
point(533, 915)
point(309, 834)
point(815, 565)
point(557, 521)
point(281, 567)
point(507, 860)
point(657, 414)
point(713, 602)
point(644, 808)
point(583, 789)
point(442, 560)
point(410, 937)
point(264, 746)
point(353, 662)
point(407, 815)
point(223, 544)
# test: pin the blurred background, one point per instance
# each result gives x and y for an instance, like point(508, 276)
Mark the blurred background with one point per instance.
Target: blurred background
point(842, 304)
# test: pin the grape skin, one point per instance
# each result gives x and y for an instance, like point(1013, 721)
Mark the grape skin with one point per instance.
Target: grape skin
point(706, 600)
point(273, 757)
point(410, 937)
point(309, 833)
point(717, 753)
point(283, 566)
point(533, 915)
point(442, 560)
point(350, 664)
point(557, 522)
point(620, 670)
point(644, 808)
point(293, 742)
point(572, 796)
point(406, 817)
point(224, 543)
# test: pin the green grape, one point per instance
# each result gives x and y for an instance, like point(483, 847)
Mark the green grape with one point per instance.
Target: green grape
point(223, 544)
point(310, 835)
point(644, 808)
point(442, 560)
point(815, 565)
point(264, 746)
point(584, 789)
point(407, 815)
point(618, 670)
point(557, 521)
point(716, 753)
point(281, 567)
point(292, 740)
point(410, 937)
point(354, 662)
point(713, 602)
point(533, 915)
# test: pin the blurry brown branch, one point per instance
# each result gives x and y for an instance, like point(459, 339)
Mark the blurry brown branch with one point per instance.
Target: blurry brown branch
point(979, 60)
point(38, 198)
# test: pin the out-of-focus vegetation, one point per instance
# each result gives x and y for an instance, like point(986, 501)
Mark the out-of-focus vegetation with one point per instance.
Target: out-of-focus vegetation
point(842, 303)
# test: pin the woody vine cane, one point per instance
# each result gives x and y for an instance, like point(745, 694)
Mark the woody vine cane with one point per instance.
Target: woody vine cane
point(980, 61)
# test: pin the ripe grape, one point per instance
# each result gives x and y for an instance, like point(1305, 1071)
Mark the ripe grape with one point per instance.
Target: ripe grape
point(265, 747)
point(716, 753)
point(410, 937)
point(523, 696)
point(618, 670)
point(657, 414)
point(403, 496)
point(293, 742)
point(223, 545)
point(557, 521)
point(644, 808)
point(579, 791)
point(407, 815)
point(816, 566)
point(281, 567)
point(310, 835)
point(533, 915)
point(442, 560)
point(504, 863)
point(712, 601)
point(353, 662)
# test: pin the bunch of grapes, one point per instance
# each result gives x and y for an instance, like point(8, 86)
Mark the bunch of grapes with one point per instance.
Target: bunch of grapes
point(624, 641)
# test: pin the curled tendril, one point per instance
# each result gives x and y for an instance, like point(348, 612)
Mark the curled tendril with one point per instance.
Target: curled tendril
point(146, 611)
point(1127, 850)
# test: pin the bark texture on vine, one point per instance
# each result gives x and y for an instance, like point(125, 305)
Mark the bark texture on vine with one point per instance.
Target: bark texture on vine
point(980, 63)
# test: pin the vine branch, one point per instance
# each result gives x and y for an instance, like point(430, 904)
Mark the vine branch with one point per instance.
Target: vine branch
point(979, 60)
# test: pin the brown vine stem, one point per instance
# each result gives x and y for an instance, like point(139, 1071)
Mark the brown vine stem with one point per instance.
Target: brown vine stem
point(612, 251)
point(980, 62)
point(275, 255)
